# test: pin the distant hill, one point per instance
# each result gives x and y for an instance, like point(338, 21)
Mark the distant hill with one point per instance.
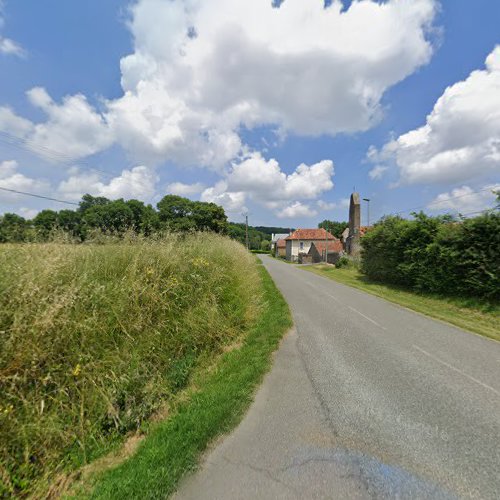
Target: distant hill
point(256, 235)
point(273, 230)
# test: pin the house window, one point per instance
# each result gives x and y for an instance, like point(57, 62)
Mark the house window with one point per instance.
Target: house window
point(301, 244)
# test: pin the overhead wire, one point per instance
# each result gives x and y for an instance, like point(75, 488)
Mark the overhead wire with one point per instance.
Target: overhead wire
point(51, 154)
point(57, 156)
point(38, 196)
point(442, 201)
point(432, 204)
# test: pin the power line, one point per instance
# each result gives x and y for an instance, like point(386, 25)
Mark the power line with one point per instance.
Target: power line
point(50, 154)
point(430, 205)
point(443, 201)
point(39, 196)
point(478, 212)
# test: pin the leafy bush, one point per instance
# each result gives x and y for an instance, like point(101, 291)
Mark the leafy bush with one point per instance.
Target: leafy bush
point(436, 254)
point(95, 338)
point(343, 262)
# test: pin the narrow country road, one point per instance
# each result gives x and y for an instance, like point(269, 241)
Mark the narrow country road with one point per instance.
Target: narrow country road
point(365, 400)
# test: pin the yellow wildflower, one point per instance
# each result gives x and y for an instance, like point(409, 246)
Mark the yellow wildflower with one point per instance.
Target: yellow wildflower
point(200, 262)
point(6, 410)
point(76, 370)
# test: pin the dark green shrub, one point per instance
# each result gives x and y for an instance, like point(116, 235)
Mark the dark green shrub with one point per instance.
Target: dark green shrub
point(436, 254)
point(343, 262)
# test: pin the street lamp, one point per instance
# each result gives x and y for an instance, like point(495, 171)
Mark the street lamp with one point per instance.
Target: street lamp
point(368, 205)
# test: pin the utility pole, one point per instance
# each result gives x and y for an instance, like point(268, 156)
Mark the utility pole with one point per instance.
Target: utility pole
point(246, 231)
point(326, 246)
point(368, 206)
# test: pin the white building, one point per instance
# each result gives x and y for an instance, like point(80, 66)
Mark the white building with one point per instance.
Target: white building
point(300, 241)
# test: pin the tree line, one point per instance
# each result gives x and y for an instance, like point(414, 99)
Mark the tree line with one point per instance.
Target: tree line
point(172, 213)
point(334, 227)
point(259, 237)
point(96, 213)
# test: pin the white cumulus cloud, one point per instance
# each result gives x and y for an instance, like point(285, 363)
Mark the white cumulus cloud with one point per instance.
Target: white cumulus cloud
point(264, 182)
point(377, 172)
point(200, 71)
point(324, 205)
point(7, 45)
point(73, 127)
point(181, 189)
point(139, 182)
point(28, 213)
point(461, 137)
point(233, 202)
point(465, 199)
point(342, 203)
point(297, 209)
point(13, 124)
point(11, 178)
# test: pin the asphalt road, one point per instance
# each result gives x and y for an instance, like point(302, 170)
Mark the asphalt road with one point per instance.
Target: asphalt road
point(365, 400)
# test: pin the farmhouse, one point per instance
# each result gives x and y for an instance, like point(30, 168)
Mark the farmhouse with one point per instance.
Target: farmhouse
point(280, 250)
point(275, 239)
point(299, 242)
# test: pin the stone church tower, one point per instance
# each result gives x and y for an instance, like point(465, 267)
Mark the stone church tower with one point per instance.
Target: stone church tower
point(352, 243)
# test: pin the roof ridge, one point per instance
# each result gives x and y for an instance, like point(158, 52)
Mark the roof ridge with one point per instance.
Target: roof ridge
point(311, 234)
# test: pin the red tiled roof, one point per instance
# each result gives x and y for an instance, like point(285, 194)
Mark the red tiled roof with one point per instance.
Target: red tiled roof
point(363, 230)
point(333, 246)
point(310, 234)
point(281, 243)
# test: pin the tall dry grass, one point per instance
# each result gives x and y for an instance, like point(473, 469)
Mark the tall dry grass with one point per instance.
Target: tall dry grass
point(95, 338)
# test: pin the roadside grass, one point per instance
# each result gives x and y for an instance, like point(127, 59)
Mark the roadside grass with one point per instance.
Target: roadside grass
point(212, 407)
point(96, 339)
point(473, 315)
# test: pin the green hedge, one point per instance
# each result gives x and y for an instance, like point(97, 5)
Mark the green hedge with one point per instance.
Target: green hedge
point(436, 254)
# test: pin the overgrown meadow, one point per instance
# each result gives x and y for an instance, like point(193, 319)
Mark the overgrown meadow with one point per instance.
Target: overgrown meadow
point(96, 338)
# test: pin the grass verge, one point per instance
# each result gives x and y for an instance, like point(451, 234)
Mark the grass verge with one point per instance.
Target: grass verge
point(95, 339)
point(216, 406)
point(475, 316)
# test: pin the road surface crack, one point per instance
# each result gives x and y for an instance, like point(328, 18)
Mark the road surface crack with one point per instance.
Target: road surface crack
point(263, 471)
point(317, 393)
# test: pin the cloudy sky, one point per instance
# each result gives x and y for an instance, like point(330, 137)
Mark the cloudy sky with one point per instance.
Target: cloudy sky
point(275, 108)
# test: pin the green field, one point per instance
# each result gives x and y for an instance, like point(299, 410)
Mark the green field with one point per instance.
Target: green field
point(100, 342)
point(476, 316)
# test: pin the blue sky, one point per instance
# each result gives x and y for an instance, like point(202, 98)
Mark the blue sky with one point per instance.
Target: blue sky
point(115, 98)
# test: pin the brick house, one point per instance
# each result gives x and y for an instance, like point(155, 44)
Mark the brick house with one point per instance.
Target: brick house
point(299, 242)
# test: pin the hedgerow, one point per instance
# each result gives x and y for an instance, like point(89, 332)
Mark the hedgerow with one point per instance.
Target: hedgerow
point(436, 254)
